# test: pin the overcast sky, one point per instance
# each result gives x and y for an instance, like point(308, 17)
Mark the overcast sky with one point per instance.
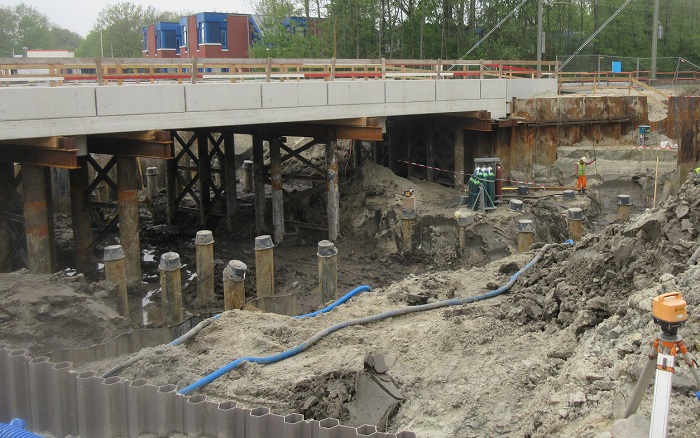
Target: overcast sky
point(79, 15)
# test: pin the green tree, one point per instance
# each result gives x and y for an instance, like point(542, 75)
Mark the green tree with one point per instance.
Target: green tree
point(8, 30)
point(22, 26)
point(33, 28)
point(282, 37)
point(119, 30)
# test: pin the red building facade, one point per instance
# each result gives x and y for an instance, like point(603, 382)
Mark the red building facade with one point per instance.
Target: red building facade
point(205, 35)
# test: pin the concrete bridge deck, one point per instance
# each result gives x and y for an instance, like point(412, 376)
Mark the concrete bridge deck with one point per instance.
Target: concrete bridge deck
point(31, 112)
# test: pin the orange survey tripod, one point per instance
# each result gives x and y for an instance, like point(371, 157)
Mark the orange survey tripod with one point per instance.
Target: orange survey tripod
point(669, 311)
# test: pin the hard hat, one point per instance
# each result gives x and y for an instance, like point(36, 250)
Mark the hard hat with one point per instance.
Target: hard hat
point(583, 159)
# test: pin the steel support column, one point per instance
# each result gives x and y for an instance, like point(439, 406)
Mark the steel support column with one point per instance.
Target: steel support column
point(36, 187)
point(129, 217)
point(357, 153)
point(410, 146)
point(259, 183)
point(277, 194)
point(430, 153)
point(333, 195)
point(82, 226)
point(459, 158)
point(171, 188)
point(204, 171)
point(230, 178)
point(7, 236)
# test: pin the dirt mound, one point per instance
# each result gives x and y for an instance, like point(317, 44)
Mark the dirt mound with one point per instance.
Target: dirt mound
point(42, 313)
point(557, 356)
point(586, 285)
point(372, 209)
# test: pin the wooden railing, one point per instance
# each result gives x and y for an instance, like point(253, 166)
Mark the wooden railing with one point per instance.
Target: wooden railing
point(577, 81)
point(103, 71)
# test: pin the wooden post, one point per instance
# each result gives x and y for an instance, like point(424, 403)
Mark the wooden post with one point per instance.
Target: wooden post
point(333, 194)
point(575, 217)
point(36, 187)
point(234, 285)
point(115, 273)
point(526, 234)
point(264, 268)
point(204, 242)
point(623, 207)
point(171, 287)
point(327, 271)
point(464, 218)
point(152, 183)
point(277, 194)
point(409, 212)
point(248, 176)
point(129, 217)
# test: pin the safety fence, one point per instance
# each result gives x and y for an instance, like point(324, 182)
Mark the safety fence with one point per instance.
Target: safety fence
point(669, 70)
point(62, 71)
point(53, 397)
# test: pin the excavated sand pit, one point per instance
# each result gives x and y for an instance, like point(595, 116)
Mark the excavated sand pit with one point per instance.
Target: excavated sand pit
point(555, 356)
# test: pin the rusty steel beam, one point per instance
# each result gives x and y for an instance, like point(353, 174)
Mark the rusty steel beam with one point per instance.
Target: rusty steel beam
point(469, 124)
point(44, 142)
point(357, 121)
point(507, 123)
point(156, 135)
point(37, 156)
point(317, 131)
point(130, 147)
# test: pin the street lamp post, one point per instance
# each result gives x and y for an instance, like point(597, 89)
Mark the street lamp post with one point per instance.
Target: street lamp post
point(654, 40)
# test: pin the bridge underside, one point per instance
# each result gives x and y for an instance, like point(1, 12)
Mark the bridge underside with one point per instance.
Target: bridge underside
point(97, 177)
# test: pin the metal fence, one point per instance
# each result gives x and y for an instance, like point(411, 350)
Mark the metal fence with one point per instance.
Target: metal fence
point(673, 69)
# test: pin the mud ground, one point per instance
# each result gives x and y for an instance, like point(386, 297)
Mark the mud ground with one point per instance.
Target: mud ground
point(555, 356)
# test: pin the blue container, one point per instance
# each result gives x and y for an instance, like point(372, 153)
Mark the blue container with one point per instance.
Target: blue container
point(644, 129)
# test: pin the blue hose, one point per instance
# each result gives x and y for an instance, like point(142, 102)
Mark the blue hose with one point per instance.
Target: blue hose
point(16, 430)
point(196, 329)
point(360, 321)
point(352, 293)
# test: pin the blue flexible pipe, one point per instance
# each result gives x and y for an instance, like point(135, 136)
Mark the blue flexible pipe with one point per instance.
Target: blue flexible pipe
point(16, 430)
point(196, 329)
point(352, 293)
point(361, 321)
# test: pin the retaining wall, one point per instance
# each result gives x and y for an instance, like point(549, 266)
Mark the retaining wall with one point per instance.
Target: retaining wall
point(55, 398)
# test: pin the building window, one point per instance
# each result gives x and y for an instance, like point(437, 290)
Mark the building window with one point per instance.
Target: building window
point(200, 33)
point(224, 39)
point(145, 39)
point(184, 37)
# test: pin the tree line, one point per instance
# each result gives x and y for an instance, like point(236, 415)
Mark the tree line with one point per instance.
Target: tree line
point(407, 29)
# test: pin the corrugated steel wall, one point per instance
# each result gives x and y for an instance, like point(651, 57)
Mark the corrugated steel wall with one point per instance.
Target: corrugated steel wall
point(547, 123)
point(683, 123)
point(54, 397)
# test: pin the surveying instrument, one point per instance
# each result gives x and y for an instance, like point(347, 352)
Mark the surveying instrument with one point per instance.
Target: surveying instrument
point(669, 312)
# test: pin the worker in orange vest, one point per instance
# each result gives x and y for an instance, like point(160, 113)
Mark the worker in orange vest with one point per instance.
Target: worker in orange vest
point(581, 172)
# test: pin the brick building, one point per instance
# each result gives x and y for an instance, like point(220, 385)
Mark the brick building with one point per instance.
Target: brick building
point(209, 35)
